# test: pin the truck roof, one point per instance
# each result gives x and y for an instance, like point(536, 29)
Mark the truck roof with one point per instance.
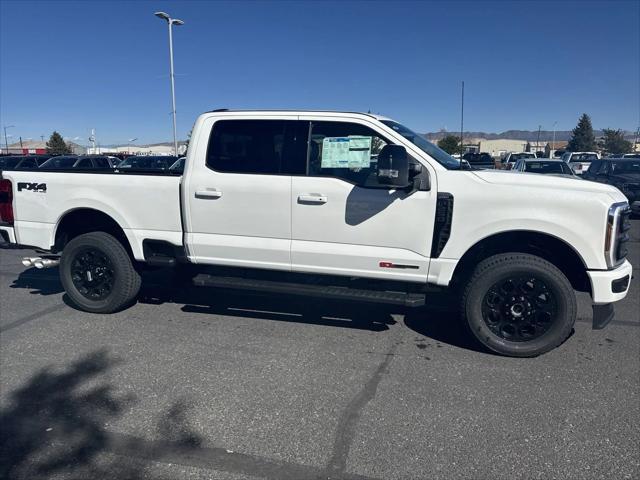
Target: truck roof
point(300, 112)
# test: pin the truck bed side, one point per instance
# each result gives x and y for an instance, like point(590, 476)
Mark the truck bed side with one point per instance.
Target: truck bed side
point(144, 206)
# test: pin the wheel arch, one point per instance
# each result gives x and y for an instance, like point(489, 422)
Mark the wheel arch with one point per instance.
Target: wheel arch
point(83, 220)
point(545, 245)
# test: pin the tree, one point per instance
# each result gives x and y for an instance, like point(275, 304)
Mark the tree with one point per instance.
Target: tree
point(450, 144)
point(56, 145)
point(583, 139)
point(613, 142)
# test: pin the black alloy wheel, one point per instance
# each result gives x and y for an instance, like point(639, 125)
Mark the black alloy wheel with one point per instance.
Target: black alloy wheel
point(519, 308)
point(92, 274)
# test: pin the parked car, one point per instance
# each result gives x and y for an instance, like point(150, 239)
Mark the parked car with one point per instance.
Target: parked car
point(580, 161)
point(86, 162)
point(631, 155)
point(22, 162)
point(178, 166)
point(511, 158)
point(147, 162)
point(479, 160)
point(622, 173)
point(339, 205)
point(546, 166)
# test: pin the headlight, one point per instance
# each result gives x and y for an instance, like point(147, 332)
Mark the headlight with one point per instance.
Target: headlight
point(615, 249)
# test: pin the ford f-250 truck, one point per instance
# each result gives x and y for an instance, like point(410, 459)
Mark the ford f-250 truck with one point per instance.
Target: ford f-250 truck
point(344, 205)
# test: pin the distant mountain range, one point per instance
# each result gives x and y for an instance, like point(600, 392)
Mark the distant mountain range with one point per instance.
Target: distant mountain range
point(525, 135)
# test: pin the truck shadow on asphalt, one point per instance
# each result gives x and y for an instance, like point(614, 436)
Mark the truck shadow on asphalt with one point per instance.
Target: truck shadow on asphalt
point(438, 320)
point(54, 425)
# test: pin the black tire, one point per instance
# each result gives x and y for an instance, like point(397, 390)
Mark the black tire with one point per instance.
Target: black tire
point(110, 282)
point(519, 305)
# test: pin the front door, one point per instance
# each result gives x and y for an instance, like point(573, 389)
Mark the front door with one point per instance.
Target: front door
point(342, 221)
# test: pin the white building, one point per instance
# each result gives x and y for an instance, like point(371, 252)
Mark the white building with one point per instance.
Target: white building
point(501, 146)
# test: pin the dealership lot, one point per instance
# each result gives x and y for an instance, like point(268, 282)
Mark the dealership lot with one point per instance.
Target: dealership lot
point(193, 383)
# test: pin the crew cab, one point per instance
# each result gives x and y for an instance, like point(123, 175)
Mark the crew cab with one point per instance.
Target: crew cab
point(344, 205)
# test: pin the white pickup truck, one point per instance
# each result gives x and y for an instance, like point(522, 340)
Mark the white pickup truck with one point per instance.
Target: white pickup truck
point(343, 205)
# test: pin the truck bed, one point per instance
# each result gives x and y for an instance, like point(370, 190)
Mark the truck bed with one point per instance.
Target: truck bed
point(145, 205)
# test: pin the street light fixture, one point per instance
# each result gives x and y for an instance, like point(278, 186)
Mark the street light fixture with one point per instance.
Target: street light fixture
point(131, 140)
point(171, 22)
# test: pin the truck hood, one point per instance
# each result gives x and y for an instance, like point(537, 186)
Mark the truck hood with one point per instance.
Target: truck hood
point(504, 177)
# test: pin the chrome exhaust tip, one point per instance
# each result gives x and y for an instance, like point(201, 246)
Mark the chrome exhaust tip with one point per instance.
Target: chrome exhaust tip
point(28, 261)
point(46, 263)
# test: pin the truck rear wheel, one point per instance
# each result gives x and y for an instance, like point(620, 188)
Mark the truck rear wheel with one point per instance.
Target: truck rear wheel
point(519, 305)
point(97, 273)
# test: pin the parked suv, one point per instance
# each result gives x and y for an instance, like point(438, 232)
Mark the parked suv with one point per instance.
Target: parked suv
point(623, 173)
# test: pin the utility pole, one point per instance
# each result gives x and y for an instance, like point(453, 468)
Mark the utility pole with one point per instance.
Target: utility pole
point(6, 143)
point(538, 140)
point(21, 148)
point(462, 123)
point(553, 144)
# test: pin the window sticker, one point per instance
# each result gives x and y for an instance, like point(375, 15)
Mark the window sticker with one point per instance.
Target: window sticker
point(346, 152)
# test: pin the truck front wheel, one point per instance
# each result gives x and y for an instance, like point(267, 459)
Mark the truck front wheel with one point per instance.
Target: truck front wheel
point(519, 305)
point(97, 273)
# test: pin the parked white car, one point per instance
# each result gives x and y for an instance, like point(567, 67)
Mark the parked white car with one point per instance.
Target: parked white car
point(511, 158)
point(544, 166)
point(580, 161)
point(341, 205)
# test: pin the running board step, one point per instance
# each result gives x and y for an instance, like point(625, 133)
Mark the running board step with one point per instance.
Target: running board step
point(327, 291)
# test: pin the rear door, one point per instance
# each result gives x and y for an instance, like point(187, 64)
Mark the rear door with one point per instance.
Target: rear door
point(343, 222)
point(238, 191)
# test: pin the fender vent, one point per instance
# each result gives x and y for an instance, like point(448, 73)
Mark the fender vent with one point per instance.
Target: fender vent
point(442, 226)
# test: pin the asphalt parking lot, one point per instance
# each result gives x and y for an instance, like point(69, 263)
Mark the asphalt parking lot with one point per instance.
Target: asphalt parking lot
point(195, 383)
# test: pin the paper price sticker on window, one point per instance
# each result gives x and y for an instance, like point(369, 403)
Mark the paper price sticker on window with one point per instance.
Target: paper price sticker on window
point(346, 152)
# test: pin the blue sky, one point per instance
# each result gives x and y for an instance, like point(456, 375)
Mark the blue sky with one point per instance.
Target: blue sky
point(74, 65)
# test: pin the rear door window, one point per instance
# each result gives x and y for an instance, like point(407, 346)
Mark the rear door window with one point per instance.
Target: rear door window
point(268, 147)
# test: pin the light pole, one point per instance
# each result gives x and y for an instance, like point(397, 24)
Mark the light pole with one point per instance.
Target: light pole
point(6, 143)
point(131, 140)
point(553, 143)
point(171, 22)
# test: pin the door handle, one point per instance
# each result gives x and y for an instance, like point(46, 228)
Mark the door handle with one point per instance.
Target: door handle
point(208, 194)
point(312, 198)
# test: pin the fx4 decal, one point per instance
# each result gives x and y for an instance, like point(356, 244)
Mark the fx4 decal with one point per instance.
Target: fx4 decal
point(32, 186)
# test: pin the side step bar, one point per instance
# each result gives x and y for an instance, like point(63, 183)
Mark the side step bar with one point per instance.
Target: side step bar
point(327, 291)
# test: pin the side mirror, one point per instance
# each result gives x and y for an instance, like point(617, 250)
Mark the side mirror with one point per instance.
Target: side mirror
point(393, 166)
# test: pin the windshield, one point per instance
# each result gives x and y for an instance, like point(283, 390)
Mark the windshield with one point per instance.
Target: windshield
point(625, 167)
point(584, 156)
point(518, 156)
point(60, 162)
point(548, 167)
point(439, 155)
